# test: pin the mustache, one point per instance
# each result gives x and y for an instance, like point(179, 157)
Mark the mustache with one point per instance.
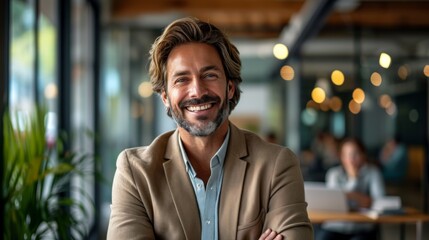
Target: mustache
point(196, 101)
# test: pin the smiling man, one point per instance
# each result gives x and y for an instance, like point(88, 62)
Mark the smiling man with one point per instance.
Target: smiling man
point(207, 179)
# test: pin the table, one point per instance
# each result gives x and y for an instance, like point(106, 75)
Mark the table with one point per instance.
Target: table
point(410, 216)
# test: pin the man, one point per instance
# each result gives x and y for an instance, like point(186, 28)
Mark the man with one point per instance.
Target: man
point(207, 179)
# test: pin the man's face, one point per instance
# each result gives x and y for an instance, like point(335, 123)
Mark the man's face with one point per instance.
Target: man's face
point(197, 89)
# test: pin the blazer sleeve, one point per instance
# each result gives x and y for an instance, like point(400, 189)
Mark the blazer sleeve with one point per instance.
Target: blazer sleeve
point(128, 217)
point(287, 209)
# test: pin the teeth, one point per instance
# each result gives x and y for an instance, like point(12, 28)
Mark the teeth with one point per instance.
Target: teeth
point(199, 108)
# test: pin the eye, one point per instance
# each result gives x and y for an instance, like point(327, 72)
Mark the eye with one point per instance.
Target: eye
point(210, 76)
point(180, 80)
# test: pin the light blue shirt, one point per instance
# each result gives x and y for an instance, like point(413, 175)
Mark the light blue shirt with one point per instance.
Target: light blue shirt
point(208, 197)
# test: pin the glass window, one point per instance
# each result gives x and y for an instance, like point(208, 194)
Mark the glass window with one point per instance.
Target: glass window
point(22, 56)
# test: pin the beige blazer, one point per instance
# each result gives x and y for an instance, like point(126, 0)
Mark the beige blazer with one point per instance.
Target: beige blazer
point(153, 198)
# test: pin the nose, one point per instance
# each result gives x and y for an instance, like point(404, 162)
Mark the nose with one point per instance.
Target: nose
point(197, 88)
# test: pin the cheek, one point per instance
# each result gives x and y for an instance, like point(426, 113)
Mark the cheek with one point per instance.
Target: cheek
point(176, 97)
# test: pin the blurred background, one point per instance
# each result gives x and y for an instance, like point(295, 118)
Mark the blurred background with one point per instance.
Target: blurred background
point(314, 72)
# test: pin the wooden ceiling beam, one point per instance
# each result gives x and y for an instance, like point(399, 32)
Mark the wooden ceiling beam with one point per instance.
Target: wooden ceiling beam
point(393, 14)
point(268, 17)
point(121, 9)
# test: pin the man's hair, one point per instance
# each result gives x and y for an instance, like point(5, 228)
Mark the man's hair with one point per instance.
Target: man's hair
point(192, 30)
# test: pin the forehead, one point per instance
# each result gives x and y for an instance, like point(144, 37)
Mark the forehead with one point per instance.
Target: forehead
point(350, 146)
point(192, 56)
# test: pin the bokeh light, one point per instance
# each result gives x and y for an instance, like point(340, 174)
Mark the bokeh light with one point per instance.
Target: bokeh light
point(309, 116)
point(413, 115)
point(145, 89)
point(287, 72)
point(354, 107)
point(335, 104)
point(403, 72)
point(51, 91)
point(337, 77)
point(426, 70)
point(318, 95)
point(312, 104)
point(385, 101)
point(376, 79)
point(391, 110)
point(385, 60)
point(358, 95)
point(324, 106)
point(280, 51)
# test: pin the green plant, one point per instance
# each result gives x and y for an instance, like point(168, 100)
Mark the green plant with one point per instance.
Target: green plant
point(37, 187)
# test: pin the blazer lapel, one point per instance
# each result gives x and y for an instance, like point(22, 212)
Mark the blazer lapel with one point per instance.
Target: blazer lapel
point(232, 186)
point(181, 189)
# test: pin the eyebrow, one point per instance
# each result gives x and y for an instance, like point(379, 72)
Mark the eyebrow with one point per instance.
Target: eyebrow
point(210, 67)
point(180, 73)
point(204, 69)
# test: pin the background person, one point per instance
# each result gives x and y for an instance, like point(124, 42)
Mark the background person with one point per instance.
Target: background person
point(362, 183)
point(207, 179)
point(394, 161)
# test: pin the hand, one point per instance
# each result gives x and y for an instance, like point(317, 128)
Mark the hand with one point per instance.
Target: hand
point(270, 235)
point(352, 170)
point(361, 199)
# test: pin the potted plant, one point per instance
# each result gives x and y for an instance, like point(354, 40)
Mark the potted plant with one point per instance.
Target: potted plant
point(37, 190)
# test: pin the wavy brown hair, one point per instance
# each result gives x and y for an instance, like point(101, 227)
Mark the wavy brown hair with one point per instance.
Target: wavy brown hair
point(187, 30)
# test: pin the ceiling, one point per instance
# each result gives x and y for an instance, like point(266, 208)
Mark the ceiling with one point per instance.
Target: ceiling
point(400, 27)
point(267, 18)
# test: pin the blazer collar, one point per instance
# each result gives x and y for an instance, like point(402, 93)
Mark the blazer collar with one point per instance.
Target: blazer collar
point(232, 186)
point(181, 189)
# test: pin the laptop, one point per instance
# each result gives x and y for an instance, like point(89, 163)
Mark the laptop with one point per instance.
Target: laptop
point(321, 198)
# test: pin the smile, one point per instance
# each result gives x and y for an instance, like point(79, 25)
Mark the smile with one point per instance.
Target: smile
point(199, 107)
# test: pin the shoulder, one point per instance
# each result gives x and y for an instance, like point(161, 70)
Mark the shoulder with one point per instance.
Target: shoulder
point(372, 170)
point(336, 171)
point(146, 154)
point(260, 154)
point(257, 148)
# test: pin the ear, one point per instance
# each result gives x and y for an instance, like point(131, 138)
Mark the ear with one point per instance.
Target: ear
point(164, 98)
point(231, 89)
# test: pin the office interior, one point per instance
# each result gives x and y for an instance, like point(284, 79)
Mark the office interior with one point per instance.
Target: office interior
point(311, 69)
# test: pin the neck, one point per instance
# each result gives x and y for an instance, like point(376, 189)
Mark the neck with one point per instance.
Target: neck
point(203, 148)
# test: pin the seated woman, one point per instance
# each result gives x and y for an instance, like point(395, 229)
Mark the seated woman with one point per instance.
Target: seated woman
point(362, 182)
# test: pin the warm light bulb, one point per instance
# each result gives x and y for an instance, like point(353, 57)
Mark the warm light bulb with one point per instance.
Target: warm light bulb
point(287, 72)
point(318, 95)
point(335, 104)
point(337, 77)
point(376, 79)
point(385, 101)
point(280, 51)
point(354, 107)
point(385, 60)
point(403, 72)
point(358, 95)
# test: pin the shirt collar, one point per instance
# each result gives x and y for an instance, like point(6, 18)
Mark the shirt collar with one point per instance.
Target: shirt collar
point(218, 157)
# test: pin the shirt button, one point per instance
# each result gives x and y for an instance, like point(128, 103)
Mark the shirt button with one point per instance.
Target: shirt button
point(207, 221)
point(212, 188)
point(199, 185)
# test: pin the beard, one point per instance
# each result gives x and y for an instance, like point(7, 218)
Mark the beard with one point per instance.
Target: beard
point(204, 127)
